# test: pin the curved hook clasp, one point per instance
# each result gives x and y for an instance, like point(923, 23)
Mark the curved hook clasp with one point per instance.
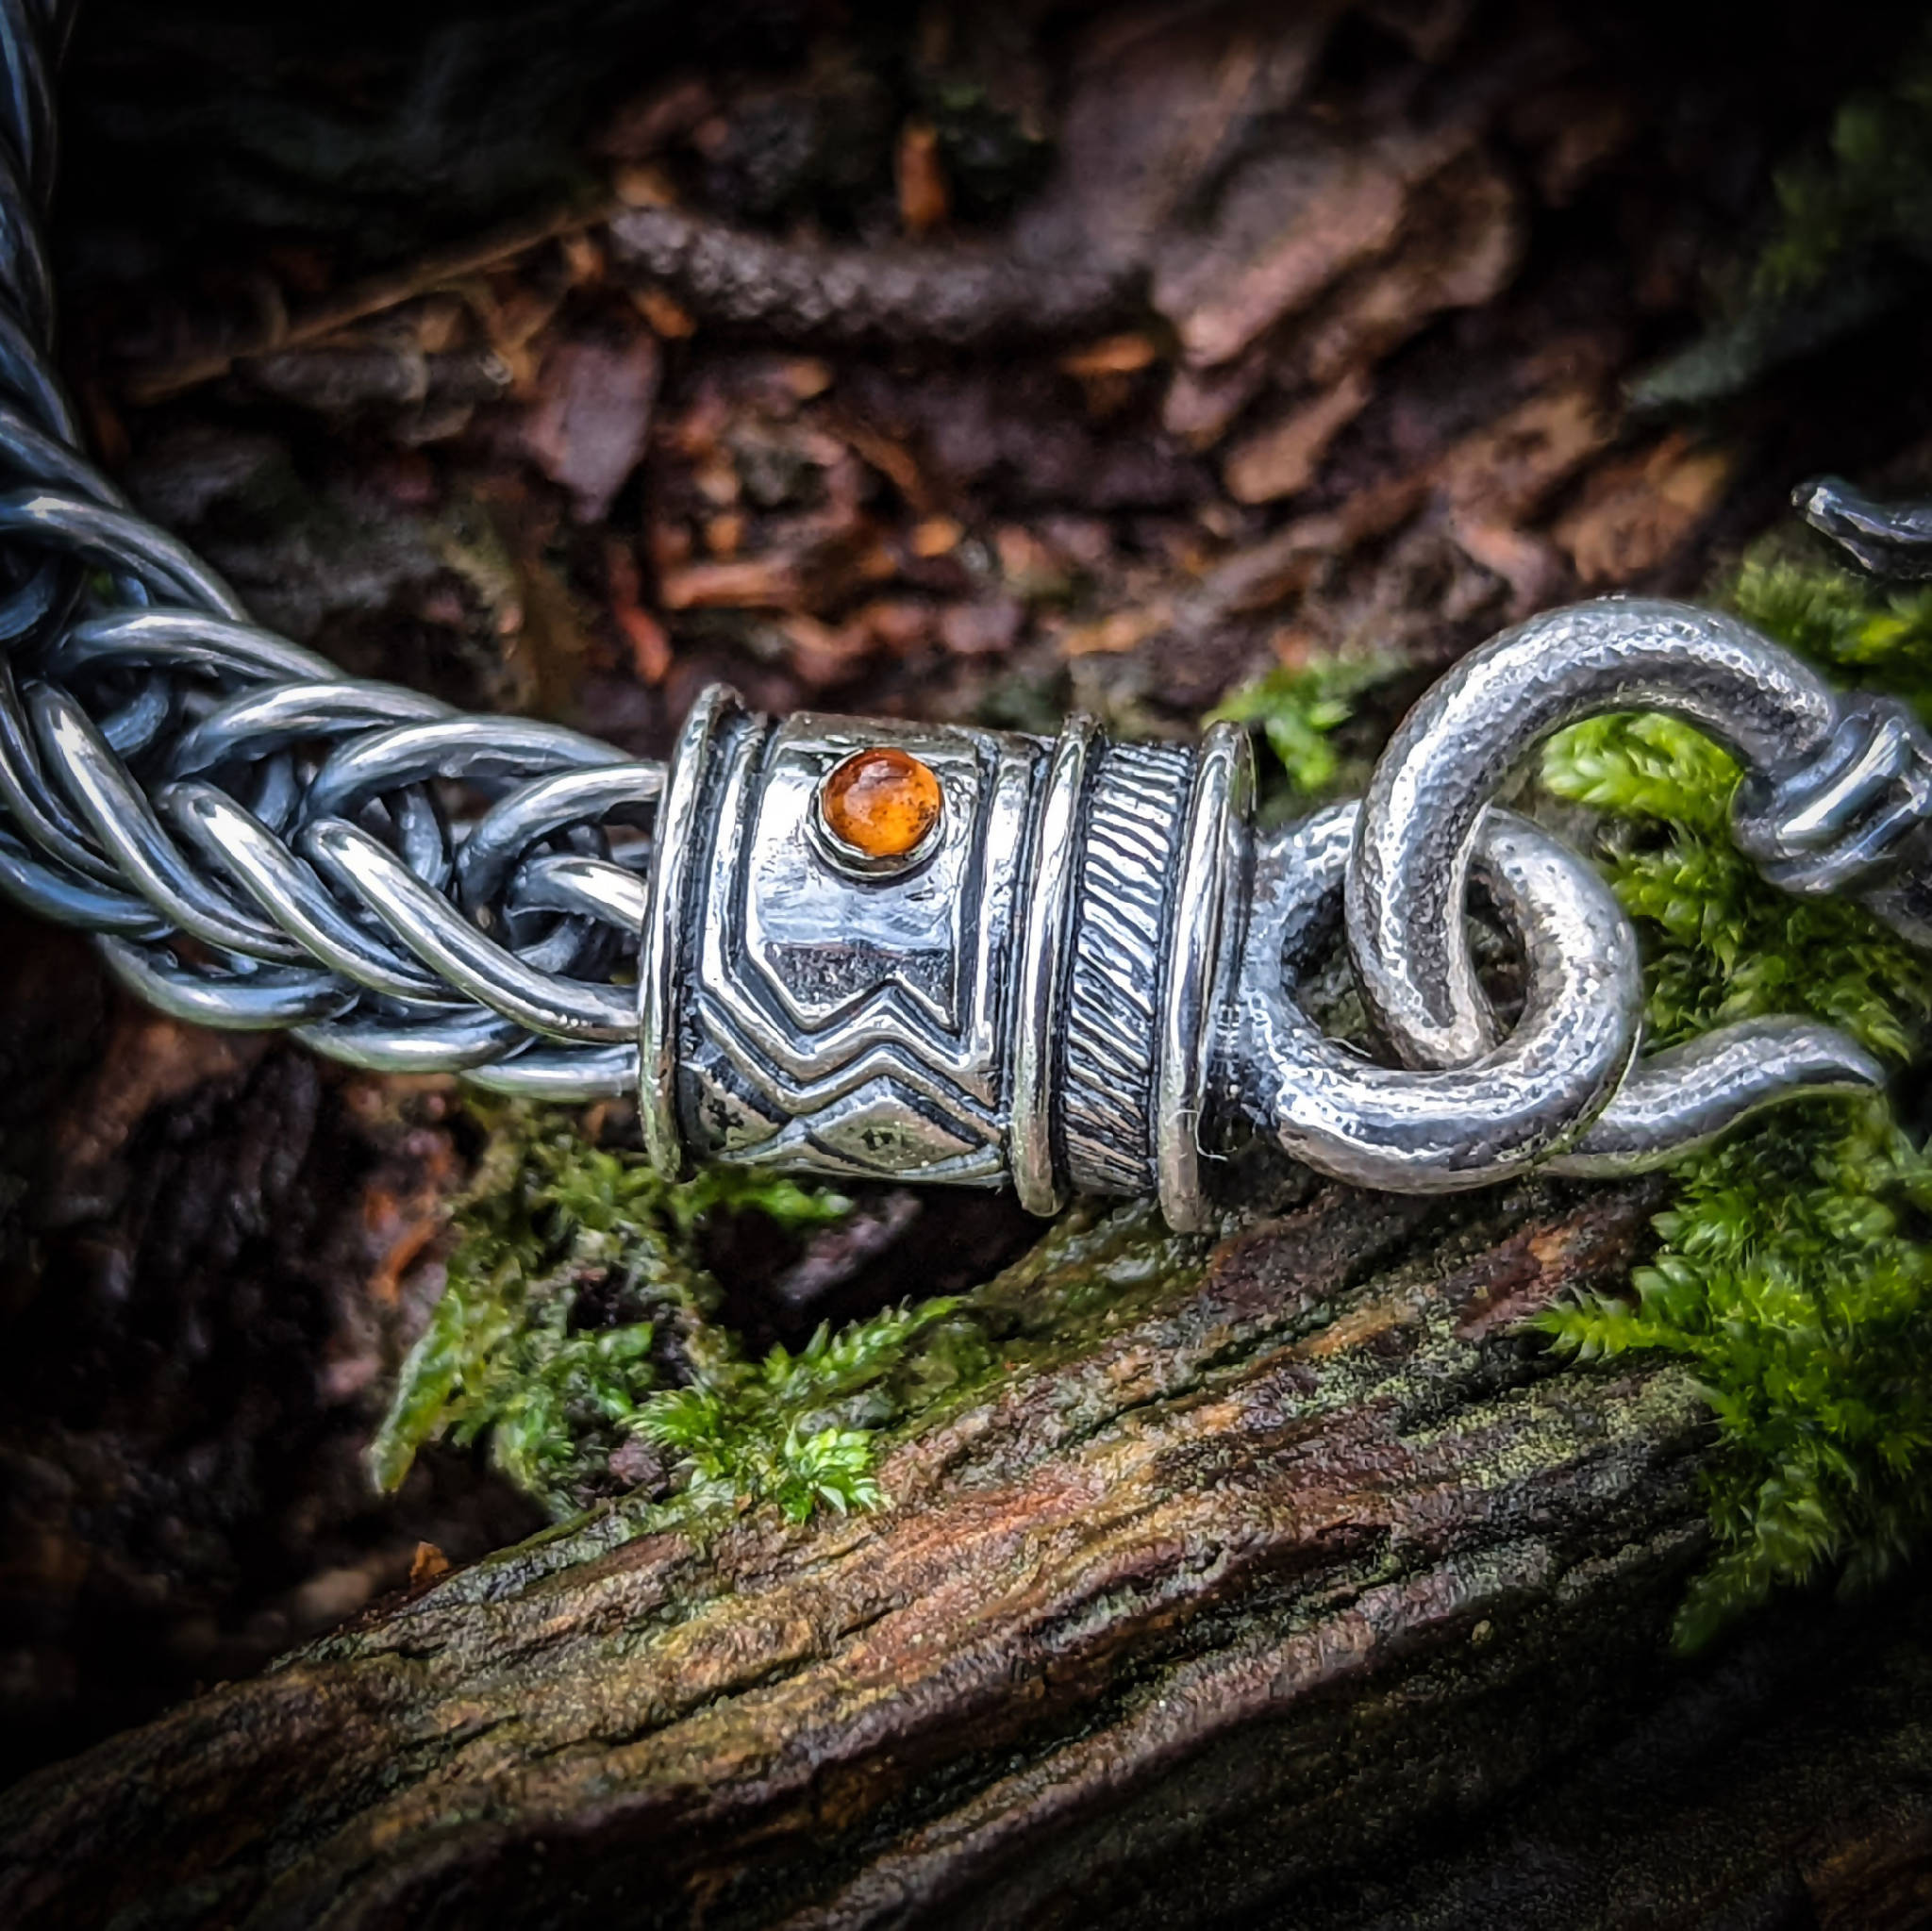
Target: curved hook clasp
point(1426, 1131)
point(1835, 797)
point(1891, 539)
point(1408, 875)
point(1561, 1091)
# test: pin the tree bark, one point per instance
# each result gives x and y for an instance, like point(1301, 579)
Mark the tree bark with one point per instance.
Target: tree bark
point(1280, 1581)
point(1302, 1545)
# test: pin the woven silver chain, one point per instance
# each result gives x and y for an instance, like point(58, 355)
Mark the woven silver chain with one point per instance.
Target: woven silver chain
point(259, 840)
point(1088, 972)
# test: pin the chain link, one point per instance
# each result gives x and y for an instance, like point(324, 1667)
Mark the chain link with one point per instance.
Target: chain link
point(258, 840)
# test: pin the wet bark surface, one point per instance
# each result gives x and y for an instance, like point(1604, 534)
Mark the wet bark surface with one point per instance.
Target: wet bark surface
point(1302, 1545)
point(1282, 1598)
point(977, 364)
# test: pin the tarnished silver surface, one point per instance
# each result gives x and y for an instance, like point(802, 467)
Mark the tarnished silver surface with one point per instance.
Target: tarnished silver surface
point(1888, 539)
point(1035, 978)
point(663, 939)
point(1041, 969)
point(1416, 1131)
point(1136, 799)
point(1559, 1091)
point(1680, 1099)
point(1836, 794)
point(1087, 976)
point(1213, 851)
point(842, 1024)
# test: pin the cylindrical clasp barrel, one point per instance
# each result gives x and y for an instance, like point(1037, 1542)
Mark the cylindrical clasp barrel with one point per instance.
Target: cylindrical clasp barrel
point(885, 951)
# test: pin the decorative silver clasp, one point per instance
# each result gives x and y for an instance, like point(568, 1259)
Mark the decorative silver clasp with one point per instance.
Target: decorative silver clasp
point(1028, 995)
point(1467, 1108)
point(1071, 965)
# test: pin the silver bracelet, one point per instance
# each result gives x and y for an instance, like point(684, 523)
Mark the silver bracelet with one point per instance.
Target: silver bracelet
point(878, 951)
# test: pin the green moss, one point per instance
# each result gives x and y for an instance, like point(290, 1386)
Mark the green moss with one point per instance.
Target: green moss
point(1864, 195)
point(1791, 1271)
point(1298, 711)
point(1725, 944)
point(1788, 1277)
point(796, 1430)
point(1861, 631)
point(1844, 240)
point(577, 1318)
point(573, 1296)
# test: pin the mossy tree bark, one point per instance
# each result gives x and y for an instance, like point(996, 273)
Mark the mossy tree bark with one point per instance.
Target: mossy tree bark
point(1254, 1559)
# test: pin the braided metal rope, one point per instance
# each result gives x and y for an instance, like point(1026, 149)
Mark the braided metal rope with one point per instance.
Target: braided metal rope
point(258, 840)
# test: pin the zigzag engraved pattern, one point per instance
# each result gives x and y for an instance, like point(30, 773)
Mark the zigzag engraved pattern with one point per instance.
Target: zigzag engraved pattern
point(1119, 938)
point(880, 1084)
point(798, 1099)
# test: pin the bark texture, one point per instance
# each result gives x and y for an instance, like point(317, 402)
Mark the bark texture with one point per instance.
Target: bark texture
point(199, 1300)
point(1301, 1546)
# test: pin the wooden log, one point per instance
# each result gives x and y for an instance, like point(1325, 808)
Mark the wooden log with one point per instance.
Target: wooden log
point(1255, 1558)
point(1282, 1579)
point(201, 1235)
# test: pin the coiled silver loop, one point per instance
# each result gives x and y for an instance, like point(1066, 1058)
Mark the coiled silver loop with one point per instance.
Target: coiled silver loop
point(1408, 879)
point(1426, 1131)
point(1835, 790)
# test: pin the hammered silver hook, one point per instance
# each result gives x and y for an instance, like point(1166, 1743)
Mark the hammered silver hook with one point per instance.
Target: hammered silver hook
point(1836, 790)
point(1559, 1093)
point(1409, 1131)
point(1408, 877)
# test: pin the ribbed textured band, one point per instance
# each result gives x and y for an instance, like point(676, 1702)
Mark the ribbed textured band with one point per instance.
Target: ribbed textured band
point(1136, 807)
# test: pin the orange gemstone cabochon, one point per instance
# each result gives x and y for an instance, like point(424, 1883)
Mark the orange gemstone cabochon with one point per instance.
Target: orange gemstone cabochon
point(882, 802)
